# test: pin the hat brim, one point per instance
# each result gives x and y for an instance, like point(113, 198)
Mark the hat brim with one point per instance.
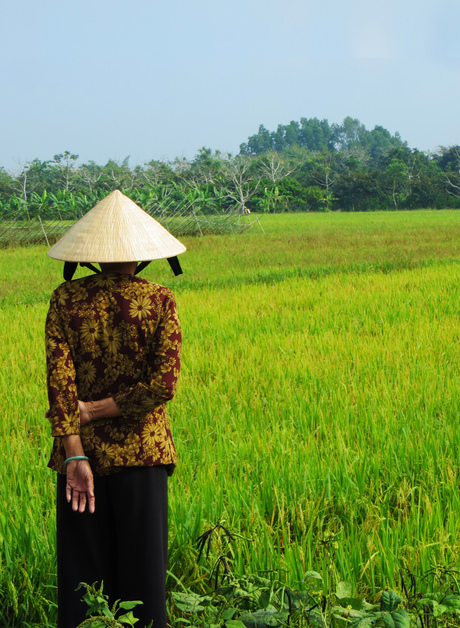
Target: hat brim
point(116, 230)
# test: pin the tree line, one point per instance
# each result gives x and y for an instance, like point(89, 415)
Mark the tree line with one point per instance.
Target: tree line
point(309, 165)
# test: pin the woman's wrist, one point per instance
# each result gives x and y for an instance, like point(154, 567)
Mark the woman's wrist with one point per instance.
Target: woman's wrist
point(90, 411)
point(73, 446)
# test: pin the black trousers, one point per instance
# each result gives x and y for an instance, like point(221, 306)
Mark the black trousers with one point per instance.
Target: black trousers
point(124, 543)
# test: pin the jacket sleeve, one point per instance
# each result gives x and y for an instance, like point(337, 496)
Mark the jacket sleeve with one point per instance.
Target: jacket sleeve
point(62, 391)
point(161, 368)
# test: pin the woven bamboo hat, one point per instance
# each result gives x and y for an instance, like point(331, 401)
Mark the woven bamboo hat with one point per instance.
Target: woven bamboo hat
point(116, 230)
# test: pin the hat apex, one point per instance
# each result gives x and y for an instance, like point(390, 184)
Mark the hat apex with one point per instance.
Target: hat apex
point(116, 230)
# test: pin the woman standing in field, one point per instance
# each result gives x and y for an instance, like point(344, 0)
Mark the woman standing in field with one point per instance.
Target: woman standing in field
point(113, 358)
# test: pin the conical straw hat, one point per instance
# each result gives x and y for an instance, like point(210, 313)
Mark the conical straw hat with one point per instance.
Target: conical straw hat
point(116, 230)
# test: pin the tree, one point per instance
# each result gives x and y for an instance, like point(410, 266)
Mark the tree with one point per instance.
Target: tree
point(379, 142)
point(427, 183)
point(323, 175)
point(273, 166)
point(310, 133)
point(448, 158)
point(358, 188)
point(314, 134)
point(6, 183)
point(347, 135)
point(243, 181)
point(90, 174)
point(35, 176)
point(65, 163)
point(397, 179)
point(119, 175)
point(207, 167)
point(155, 172)
point(258, 143)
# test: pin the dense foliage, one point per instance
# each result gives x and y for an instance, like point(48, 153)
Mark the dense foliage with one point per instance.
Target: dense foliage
point(309, 165)
point(254, 601)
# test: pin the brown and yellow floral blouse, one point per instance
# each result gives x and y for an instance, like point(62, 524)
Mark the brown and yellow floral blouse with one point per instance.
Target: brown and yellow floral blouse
point(113, 335)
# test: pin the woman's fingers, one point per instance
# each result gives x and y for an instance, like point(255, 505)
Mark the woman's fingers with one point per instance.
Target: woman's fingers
point(80, 499)
point(82, 504)
point(75, 499)
point(91, 502)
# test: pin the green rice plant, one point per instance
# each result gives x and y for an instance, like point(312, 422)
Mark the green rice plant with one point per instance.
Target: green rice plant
point(316, 416)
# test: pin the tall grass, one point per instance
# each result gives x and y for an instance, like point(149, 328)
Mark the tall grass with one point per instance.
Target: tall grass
point(317, 410)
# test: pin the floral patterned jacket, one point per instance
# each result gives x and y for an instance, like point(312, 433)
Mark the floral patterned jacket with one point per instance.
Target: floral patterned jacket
point(113, 335)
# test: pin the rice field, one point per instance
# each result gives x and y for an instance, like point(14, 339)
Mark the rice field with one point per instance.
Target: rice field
point(317, 415)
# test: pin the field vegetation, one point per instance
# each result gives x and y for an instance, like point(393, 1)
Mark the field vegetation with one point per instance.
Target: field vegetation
point(317, 416)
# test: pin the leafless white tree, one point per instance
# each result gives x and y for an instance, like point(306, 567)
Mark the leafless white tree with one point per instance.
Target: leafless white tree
point(274, 167)
point(243, 181)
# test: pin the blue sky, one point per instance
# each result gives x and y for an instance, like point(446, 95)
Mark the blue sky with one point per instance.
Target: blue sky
point(155, 80)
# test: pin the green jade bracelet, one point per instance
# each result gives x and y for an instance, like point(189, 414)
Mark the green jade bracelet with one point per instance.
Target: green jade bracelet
point(66, 462)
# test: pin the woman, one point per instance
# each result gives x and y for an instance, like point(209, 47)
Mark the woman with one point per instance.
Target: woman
point(113, 358)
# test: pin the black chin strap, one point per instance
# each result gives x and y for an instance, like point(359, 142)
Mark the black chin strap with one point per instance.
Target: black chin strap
point(175, 266)
point(71, 267)
point(141, 267)
point(69, 270)
point(173, 262)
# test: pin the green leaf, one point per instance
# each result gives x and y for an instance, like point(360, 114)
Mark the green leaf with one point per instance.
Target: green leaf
point(264, 617)
point(129, 605)
point(365, 622)
point(396, 619)
point(264, 599)
point(234, 623)
point(451, 602)
point(128, 618)
point(340, 622)
point(189, 602)
point(438, 609)
point(390, 601)
point(356, 603)
point(228, 613)
point(300, 599)
point(388, 621)
point(401, 618)
point(343, 590)
point(429, 597)
point(312, 575)
point(340, 611)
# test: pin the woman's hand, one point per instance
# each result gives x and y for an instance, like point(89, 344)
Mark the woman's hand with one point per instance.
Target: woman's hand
point(80, 485)
point(85, 412)
point(94, 410)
